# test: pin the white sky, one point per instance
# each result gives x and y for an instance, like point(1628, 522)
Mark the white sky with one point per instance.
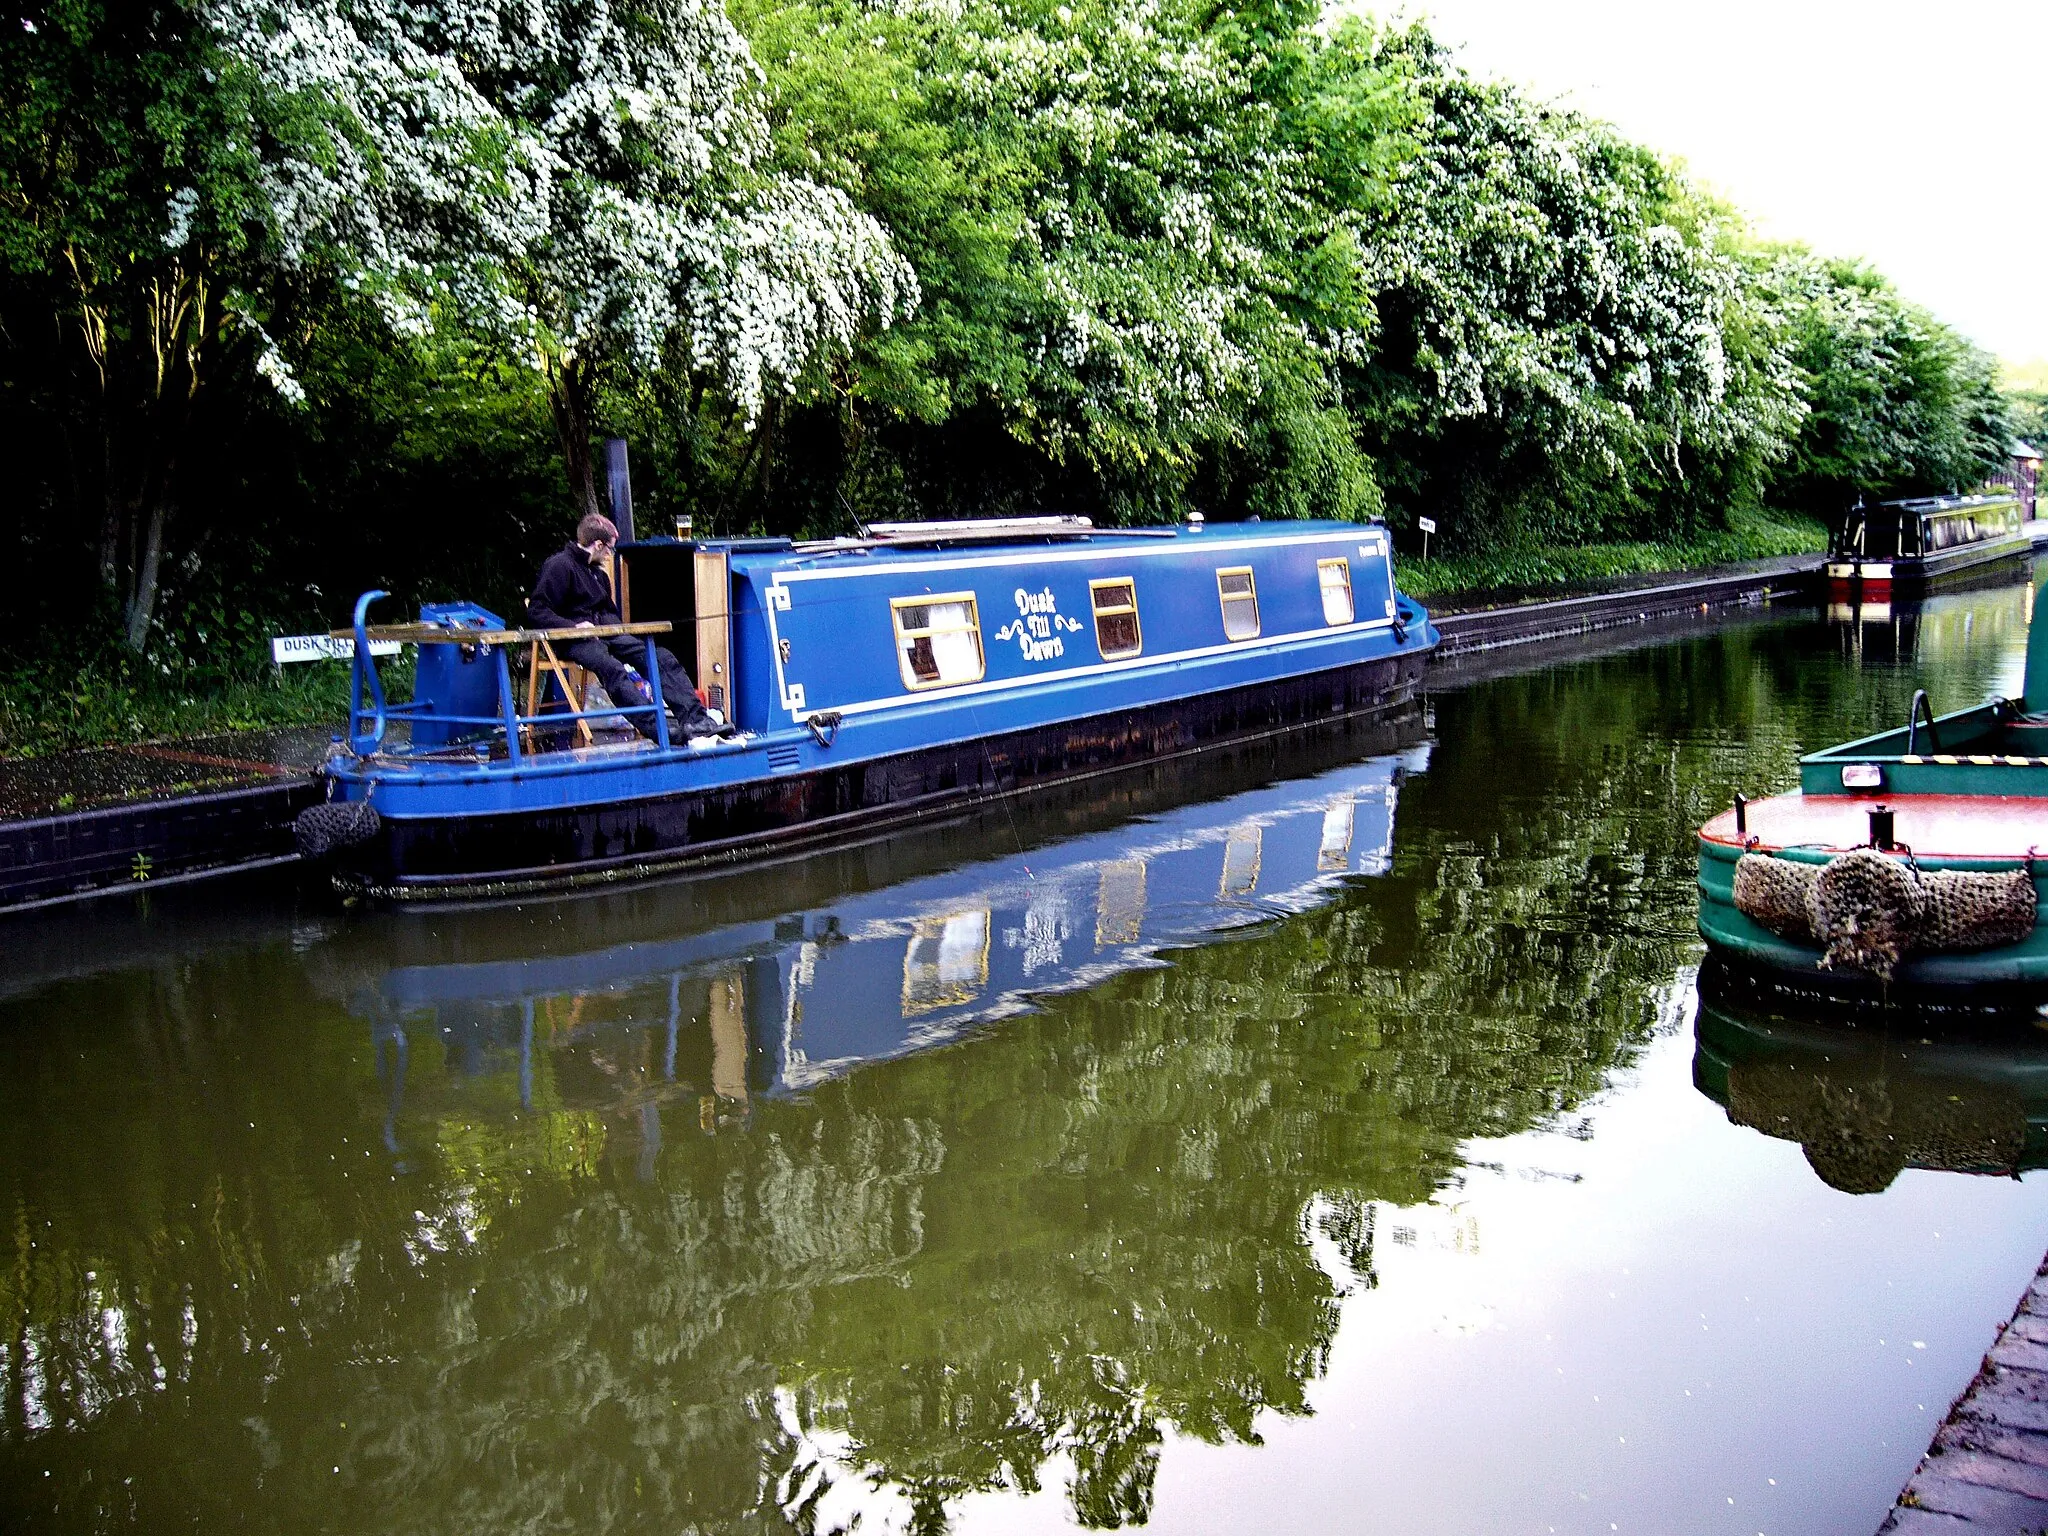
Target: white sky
point(1914, 135)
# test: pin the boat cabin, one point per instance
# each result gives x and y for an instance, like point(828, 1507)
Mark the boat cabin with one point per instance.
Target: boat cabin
point(777, 633)
point(1924, 526)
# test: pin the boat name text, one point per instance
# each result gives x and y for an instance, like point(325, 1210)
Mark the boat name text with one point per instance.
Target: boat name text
point(1036, 629)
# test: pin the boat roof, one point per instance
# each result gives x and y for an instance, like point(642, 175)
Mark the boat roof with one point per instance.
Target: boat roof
point(1949, 503)
point(936, 537)
point(981, 529)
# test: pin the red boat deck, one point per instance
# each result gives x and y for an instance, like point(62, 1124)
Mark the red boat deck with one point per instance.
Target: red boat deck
point(1932, 826)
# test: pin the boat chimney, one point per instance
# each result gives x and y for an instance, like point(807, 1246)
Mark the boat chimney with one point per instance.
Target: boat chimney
point(1881, 828)
point(1741, 815)
point(619, 483)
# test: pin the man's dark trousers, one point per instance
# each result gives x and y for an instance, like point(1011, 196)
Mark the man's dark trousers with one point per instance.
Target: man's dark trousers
point(610, 657)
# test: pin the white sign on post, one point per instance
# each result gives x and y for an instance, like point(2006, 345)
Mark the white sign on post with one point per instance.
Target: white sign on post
point(1428, 526)
point(286, 648)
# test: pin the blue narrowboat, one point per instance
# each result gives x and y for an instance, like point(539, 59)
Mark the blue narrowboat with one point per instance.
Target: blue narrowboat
point(911, 672)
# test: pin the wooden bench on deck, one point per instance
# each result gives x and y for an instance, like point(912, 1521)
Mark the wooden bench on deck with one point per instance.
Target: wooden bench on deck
point(573, 680)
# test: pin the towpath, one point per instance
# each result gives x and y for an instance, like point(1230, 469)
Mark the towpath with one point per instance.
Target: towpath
point(1987, 1470)
point(1785, 567)
point(100, 776)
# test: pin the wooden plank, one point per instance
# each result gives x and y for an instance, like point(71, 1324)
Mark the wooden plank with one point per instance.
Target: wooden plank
point(714, 625)
point(434, 634)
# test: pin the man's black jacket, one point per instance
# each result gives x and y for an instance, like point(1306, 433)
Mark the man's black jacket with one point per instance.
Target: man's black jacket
point(571, 591)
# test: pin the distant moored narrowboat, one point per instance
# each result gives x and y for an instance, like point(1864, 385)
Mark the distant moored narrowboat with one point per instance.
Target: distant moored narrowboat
point(874, 680)
point(1901, 548)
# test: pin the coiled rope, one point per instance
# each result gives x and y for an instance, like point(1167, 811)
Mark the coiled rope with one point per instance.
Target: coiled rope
point(1868, 911)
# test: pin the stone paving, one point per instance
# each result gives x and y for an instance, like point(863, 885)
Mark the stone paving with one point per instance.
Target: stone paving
point(1987, 1470)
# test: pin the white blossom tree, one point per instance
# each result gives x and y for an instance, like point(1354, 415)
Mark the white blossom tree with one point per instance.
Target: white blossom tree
point(583, 182)
point(1570, 346)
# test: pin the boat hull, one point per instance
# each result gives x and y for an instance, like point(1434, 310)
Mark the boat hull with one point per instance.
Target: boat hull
point(1907, 576)
point(1761, 974)
point(470, 855)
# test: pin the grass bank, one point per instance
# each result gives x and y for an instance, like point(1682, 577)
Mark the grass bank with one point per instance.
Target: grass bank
point(1552, 568)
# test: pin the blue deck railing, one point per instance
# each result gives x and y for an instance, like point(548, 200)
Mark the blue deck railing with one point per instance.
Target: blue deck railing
point(370, 713)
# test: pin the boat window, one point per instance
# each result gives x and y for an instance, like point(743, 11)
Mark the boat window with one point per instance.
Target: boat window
point(1116, 617)
point(1240, 602)
point(1334, 576)
point(938, 640)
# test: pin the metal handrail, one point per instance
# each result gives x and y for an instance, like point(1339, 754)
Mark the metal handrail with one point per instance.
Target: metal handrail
point(1920, 706)
point(375, 709)
point(428, 632)
point(365, 679)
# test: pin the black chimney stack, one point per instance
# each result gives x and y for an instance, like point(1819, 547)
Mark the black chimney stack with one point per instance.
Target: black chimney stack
point(619, 479)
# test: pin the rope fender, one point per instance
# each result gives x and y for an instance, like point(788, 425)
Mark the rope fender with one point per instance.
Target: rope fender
point(1868, 911)
point(324, 829)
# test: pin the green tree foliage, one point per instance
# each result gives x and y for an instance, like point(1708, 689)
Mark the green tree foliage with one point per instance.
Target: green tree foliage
point(141, 262)
point(269, 270)
point(1131, 299)
point(581, 186)
point(2027, 409)
point(1554, 364)
point(1898, 403)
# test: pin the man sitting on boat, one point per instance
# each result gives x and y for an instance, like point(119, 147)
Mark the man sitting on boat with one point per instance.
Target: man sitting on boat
point(573, 591)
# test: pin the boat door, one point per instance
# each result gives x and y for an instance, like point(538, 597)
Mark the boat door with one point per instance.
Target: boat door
point(714, 626)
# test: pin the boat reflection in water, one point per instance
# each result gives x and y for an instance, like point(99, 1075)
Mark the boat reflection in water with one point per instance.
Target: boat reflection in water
point(1989, 612)
point(1868, 1103)
point(722, 1016)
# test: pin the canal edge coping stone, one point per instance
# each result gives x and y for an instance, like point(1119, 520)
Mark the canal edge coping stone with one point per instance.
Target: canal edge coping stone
point(1987, 1467)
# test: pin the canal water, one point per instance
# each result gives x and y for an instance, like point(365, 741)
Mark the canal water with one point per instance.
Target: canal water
point(1322, 1137)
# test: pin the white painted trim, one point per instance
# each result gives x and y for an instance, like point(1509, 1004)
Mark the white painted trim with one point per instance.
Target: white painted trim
point(1373, 543)
point(1098, 669)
